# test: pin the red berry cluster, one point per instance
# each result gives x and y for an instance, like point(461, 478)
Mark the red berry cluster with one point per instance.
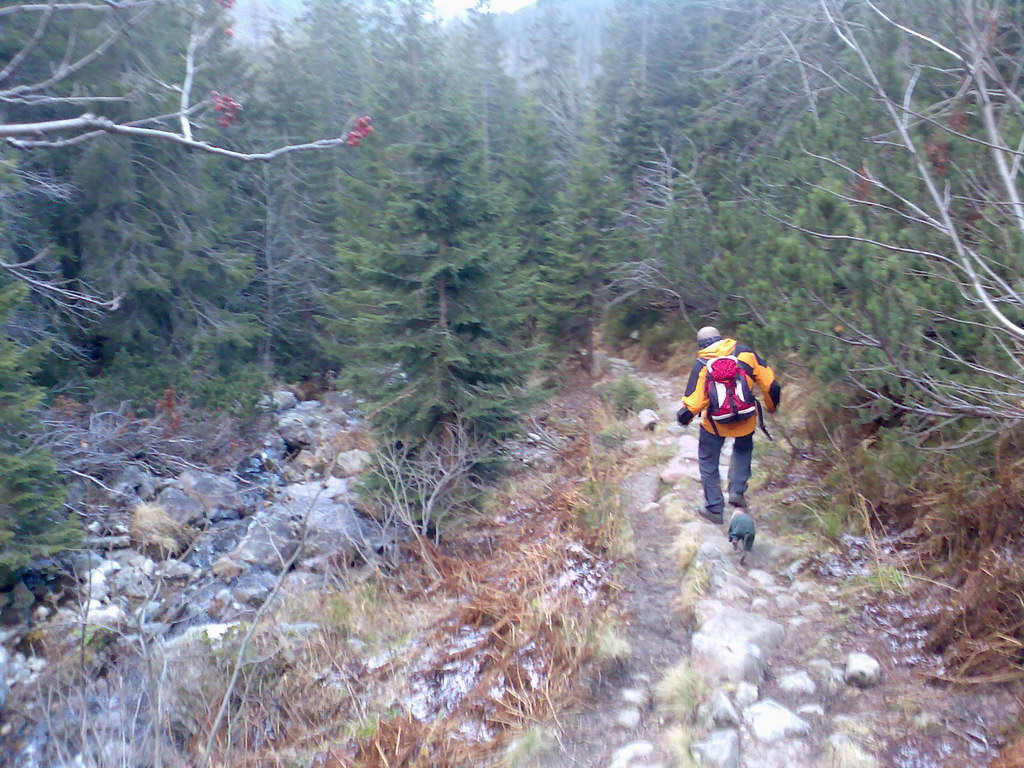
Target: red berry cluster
point(228, 107)
point(360, 132)
point(226, 4)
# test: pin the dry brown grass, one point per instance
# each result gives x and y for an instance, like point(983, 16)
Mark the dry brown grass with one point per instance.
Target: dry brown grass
point(446, 659)
point(952, 519)
point(1011, 756)
point(156, 533)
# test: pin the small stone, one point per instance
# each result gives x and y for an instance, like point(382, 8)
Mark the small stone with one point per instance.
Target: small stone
point(844, 752)
point(648, 419)
point(628, 718)
point(862, 671)
point(636, 696)
point(798, 682)
point(786, 603)
point(226, 569)
point(811, 609)
point(760, 577)
point(746, 694)
point(793, 569)
point(803, 587)
point(718, 711)
point(623, 756)
point(770, 721)
point(811, 710)
point(830, 677)
point(721, 749)
point(219, 604)
point(760, 604)
point(175, 569)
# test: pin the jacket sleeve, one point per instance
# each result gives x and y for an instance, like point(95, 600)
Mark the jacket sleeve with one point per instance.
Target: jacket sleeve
point(695, 397)
point(771, 390)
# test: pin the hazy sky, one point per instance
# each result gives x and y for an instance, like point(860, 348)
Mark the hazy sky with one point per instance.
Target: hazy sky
point(452, 7)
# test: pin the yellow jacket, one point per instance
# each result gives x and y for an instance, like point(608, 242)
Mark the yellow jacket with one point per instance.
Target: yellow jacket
point(695, 398)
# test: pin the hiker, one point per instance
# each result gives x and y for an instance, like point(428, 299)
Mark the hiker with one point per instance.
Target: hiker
point(720, 385)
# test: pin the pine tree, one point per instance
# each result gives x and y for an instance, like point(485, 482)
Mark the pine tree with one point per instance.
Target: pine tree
point(32, 524)
point(431, 312)
point(574, 284)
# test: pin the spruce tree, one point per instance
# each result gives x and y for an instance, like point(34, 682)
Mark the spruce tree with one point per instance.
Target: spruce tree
point(574, 290)
point(32, 523)
point(430, 334)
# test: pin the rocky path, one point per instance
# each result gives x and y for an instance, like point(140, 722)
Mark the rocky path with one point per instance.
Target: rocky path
point(731, 666)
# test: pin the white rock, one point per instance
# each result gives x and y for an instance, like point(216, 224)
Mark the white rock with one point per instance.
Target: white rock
point(830, 677)
point(648, 418)
point(725, 621)
point(679, 471)
point(786, 603)
point(746, 694)
point(718, 711)
point(803, 587)
point(350, 463)
point(725, 659)
point(109, 616)
point(721, 749)
point(798, 682)
point(175, 569)
point(862, 671)
point(811, 710)
point(628, 718)
point(770, 721)
point(636, 696)
point(763, 578)
point(284, 400)
point(623, 756)
point(844, 752)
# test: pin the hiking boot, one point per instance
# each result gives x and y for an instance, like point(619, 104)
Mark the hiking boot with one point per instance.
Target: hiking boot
point(715, 518)
point(738, 500)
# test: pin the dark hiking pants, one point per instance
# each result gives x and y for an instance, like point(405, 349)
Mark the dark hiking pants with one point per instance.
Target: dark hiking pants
point(708, 454)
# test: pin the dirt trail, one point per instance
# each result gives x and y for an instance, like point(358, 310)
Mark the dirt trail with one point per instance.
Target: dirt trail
point(762, 667)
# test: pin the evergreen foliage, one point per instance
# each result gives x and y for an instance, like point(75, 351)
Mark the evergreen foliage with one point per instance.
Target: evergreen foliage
point(32, 523)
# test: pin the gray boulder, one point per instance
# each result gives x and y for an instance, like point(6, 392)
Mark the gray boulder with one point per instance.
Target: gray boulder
point(284, 400)
point(135, 483)
point(350, 463)
point(183, 509)
point(212, 491)
point(770, 721)
point(269, 543)
point(724, 621)
point(721, 749)
point(798, 682)
point(131, 582)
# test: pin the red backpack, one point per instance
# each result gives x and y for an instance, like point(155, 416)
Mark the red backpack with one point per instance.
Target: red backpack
point(729, 395)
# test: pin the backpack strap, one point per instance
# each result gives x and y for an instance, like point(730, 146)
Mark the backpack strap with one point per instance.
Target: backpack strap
point(760, 421)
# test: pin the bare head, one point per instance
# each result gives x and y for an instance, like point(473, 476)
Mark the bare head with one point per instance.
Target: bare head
point(707, 335)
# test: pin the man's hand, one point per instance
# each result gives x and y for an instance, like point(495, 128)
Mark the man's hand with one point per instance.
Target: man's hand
point(683, 416)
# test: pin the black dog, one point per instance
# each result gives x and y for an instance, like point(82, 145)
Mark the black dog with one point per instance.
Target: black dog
point(741, 530)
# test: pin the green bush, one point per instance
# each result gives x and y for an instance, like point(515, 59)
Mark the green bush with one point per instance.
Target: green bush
point(612, 437)
point(627, 395)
